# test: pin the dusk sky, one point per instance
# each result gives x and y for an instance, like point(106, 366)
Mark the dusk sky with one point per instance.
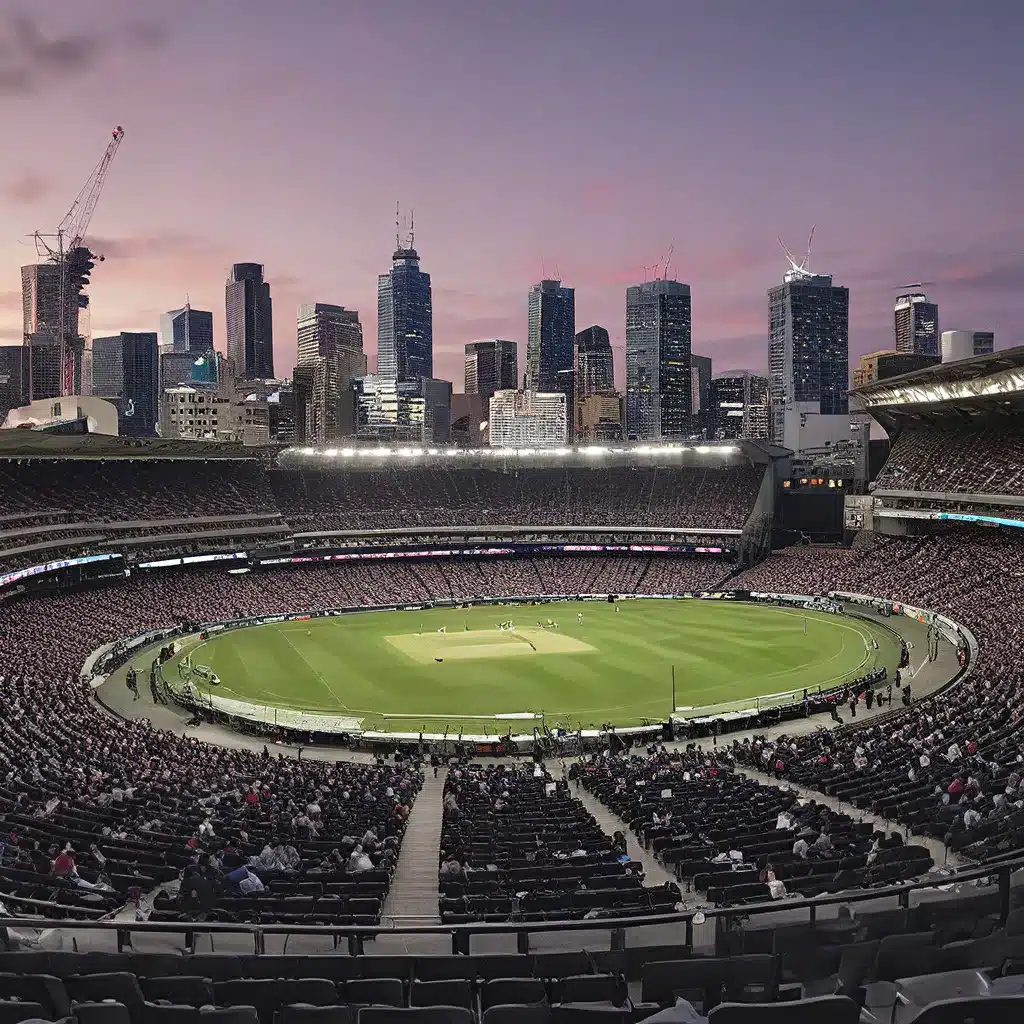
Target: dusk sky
point(570, 138)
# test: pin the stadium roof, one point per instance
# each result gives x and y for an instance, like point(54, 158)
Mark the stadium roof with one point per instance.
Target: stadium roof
point(967, 388)
point(37, 444)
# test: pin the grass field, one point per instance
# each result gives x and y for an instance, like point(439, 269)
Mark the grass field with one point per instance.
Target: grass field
point(615, 666)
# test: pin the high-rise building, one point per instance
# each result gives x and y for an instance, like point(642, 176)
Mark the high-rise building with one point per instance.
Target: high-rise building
point(700, 393)
point(916, 324)
point(738, 406)
point(250, 322)
point(326, 330)
point(595, 367)
point(125, 367)
point(41, 330)
point(528, 419)
point(409, 410)
point(330, 339)
point(491, 366)
point(808, 349)
point(551, 333)
point(12, 388)
point(302, 386)
point(659, 392)
point(186, 330)
point(405, 318)
point(966, 344)
point(44, 372)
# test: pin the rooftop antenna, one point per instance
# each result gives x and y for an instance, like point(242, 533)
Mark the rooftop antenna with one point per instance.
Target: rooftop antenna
point(398, 226)
point(412, 229)
point(801, 269)
point(914, 285)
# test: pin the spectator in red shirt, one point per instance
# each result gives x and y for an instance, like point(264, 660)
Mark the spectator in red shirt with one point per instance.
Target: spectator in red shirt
point(64, 865)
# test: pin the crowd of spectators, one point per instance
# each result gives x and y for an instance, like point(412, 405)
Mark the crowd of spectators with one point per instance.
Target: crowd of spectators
point(516, 843)
point(735, 839)
point(93, 808)
point(951, 767)
point(429, 495)
point(117, 489)
point(930, 457)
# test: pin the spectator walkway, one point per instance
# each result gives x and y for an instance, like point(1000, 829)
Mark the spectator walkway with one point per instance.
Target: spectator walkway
point(413, 892)
point(611, 823)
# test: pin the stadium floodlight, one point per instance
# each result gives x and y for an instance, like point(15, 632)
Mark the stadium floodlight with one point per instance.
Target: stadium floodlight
point(347, 453)
point(308, 451)
point(331, 453)
point(594, 450)
point(432, 451)
point(702, 449)
point(561, 451)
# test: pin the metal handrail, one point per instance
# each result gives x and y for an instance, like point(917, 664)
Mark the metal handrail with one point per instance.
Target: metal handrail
point(461, 934)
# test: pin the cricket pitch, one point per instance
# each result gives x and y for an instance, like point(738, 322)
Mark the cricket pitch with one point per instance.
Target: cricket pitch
point(487, 643)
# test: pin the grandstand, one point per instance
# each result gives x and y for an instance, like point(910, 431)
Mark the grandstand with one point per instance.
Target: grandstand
point(957, 437)
point(789, 866)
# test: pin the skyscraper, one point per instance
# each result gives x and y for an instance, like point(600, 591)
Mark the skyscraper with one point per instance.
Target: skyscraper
point(186, 330)
point(595, 367)
point(330, 338)
point(551, 335)
point(250, 322)
point(405, 318)
point(41, 330)
point(808, 347)
point(738, 406)
point(700, 393)
point(12, 365)
point(659, 388)
point(327, 330)
point(916, 324)
point(491, 366)
point(125, 367)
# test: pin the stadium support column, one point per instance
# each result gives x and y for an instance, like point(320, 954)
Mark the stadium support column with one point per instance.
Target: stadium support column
point(672, 711)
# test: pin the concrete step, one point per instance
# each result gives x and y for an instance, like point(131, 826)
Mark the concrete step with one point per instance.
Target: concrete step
point(413, 891)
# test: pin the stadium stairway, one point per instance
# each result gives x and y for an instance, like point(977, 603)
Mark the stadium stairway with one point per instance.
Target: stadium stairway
point(413, 892)
point(655, 872)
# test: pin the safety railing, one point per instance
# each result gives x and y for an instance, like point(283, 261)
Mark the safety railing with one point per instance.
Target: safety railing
point(461, 935)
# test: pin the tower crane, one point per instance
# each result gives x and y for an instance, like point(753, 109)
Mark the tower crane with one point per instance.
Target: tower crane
point(74, 260)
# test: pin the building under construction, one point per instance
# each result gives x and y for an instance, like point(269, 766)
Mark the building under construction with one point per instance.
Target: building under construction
point(53, 294)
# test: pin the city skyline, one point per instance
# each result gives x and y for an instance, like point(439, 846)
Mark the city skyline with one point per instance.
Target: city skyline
point(489, 226)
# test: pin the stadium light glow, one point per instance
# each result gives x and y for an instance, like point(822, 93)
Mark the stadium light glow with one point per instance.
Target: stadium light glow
point(560, 451)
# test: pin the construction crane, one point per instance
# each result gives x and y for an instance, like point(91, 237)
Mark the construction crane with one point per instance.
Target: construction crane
point(667, 261)
point(803, 268)
point(75, 261)
point(913, 286)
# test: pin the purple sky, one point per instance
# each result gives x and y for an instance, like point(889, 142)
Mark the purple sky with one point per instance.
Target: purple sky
point(541, 137)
